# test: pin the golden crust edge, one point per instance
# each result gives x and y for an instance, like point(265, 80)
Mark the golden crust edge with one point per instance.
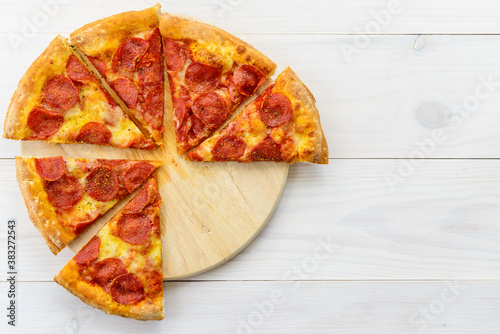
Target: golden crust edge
point(22, 95)
point(35, 210)
point(84, 37)
point(75, 287)
point(173, 26)
point(112, 23)
point(295, 87)
point(84, 291)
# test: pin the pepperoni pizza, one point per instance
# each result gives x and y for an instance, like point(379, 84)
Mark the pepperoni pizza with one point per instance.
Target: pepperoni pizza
point(126, 50)
point(211, 73)
point(60, 101)
point(120, 269)
point(64, 196)
point(282, 124)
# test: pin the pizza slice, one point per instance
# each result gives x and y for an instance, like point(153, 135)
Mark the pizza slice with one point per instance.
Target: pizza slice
point(126, 50)
point(58, 100)
point(119, 271)
point(64, 195)
point(282, 124)
point(211, 73)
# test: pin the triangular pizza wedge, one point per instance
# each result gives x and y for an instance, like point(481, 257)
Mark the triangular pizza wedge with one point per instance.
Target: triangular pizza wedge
point(119, 271)
point(211, 72)
point(64, 196)
point(126, 50)
point(282, 124)
point(58, 100)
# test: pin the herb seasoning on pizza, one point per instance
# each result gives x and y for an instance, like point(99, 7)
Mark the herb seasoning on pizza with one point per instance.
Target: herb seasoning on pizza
point(58, 100)
point(126, 50)
point(64, 196)
point(120, 271)
point(211, 73)
point(282, 124)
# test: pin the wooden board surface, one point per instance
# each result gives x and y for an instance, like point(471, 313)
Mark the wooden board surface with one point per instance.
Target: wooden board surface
point(394, 250)
point(210, 211)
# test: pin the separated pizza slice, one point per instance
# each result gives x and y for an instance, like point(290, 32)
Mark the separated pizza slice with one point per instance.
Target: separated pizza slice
point(126, 50)
point(64, 196)
point(282, 124)
point(58, 100)
point(211, 73)
point(119, 271)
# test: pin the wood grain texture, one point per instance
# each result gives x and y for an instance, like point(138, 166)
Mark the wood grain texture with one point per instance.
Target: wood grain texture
point(210, 211)
point(438, 223)
point(385, 103)
point(345, 222)
point(238, 16)
point(277, 307)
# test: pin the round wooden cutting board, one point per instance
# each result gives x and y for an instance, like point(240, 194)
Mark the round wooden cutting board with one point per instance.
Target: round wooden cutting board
point(210, 211)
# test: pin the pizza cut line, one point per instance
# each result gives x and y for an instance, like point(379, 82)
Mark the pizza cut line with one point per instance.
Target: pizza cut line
point(58, 100)
point(119, 271)
point(211, 73)
point(64, 195)
point(125, 50)
point(106, 86)
point(281, 124)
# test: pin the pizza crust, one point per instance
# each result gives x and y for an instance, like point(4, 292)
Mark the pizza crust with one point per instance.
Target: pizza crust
point(106, 34)
point(95, 296)
point(103, 37)
point(309, 142)
point(42, 215)
point(28, 92)
point(213, 42)
point(112, 246)
point(315, 150)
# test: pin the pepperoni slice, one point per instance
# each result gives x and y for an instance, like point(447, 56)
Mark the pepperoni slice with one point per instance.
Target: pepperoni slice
point(108, 97)
point(107, 270)
point(154, 107)
point(89, 252)
point(197, 127)
point(134, 228)
point(154, 280)
point(59, 93)
point(127, 289)
point(229, 148)
point(276, 110)
point(126, 90)
point(77, 71)
point(102, 184)
point(150, 67)
point(94, 133)
point(51, 168)
point(247, 79)
point(99, 64)
point(80, 227)
point(146, 196)
point(176, 54)
point(65, 192)
point(267, 150)
point(151, 73)
point(129, 53)
point(182, 104)
point(211, 108)
point(136, 175)
point(201, 77)
point(44, 123)
point(138, 203)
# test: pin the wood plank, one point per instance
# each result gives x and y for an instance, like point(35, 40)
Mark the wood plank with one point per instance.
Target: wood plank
point(343, 221)
point(238, 16)
point(395, 99)
point(276, 307)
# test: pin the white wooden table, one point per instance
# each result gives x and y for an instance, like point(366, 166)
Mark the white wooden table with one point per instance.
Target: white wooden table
point(400, 233)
